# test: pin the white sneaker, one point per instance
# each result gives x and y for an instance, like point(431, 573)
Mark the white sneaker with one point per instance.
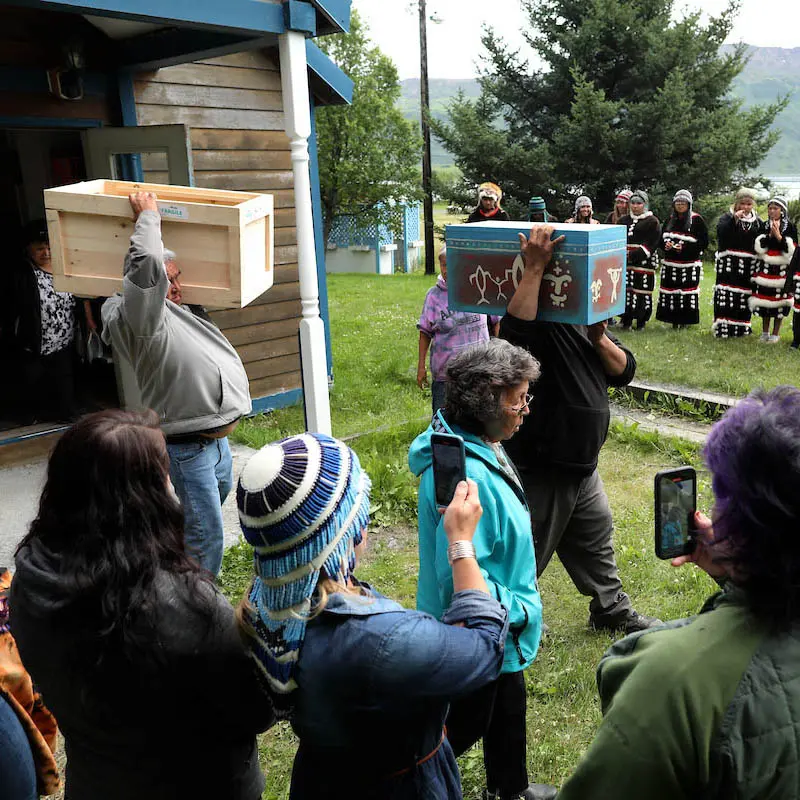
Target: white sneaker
point(774, 339)
point(764, 337)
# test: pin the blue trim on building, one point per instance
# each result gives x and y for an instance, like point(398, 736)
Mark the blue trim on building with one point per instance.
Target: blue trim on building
point(49, 122)
point(331, 86)
point(10, 437)
point(262, 405)
point(335, 15)
point(319, 238)
point(244, 16)
point(300, 16)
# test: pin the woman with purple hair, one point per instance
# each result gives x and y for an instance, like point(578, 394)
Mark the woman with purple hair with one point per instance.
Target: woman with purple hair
point(709, 706)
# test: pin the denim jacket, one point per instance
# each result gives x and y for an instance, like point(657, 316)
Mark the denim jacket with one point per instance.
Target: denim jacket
point(374, 684)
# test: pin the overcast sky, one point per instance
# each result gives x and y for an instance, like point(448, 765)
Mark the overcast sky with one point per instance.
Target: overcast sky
point(454, 45)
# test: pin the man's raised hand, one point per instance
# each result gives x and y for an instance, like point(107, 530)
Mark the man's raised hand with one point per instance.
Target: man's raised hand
point(143, 201)
point(537, 248)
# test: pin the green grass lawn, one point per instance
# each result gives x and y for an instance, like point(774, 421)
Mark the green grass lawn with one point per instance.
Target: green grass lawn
point(375, 400)
point(693, 357)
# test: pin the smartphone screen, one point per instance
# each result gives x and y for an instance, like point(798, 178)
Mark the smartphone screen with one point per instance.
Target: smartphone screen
point(449, 466)
point(676, 501)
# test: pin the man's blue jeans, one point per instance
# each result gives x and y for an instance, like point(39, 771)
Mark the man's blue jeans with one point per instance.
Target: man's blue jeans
point(202, 474)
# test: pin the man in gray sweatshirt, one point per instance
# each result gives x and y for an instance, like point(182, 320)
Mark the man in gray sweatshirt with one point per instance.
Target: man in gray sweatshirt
point(187, 371)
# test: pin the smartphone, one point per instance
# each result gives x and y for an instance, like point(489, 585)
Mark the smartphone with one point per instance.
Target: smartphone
point(676, 502)
point(449, 466)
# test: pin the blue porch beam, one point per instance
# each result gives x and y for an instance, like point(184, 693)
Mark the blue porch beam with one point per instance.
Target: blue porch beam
point(328, 83)
point(334, 16)
point(240, 16)
point(166, 48)
point(299, 15)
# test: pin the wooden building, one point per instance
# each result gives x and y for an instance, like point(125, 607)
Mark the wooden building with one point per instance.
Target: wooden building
point(208, 93)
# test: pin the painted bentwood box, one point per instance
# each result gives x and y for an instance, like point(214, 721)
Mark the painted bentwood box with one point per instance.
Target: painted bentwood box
point(583, 284)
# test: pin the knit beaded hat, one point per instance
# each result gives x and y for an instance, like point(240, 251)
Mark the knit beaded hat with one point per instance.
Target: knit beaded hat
point(537, 203)
point(582, 202)
point(490, 190)
point(624, 194)
point(781, 203)
point(744, 193)
point(686, 196)
point(303, 504)
point(640, 195)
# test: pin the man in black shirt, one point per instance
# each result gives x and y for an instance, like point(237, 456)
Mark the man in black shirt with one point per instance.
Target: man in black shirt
point(556, 450)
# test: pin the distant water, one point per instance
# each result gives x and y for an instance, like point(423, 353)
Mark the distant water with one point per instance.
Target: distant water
point(789, 184)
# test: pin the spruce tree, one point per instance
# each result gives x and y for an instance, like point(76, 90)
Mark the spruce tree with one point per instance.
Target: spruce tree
point(629, 95)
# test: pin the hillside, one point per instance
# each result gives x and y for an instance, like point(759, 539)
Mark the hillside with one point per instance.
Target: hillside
point(770, 73)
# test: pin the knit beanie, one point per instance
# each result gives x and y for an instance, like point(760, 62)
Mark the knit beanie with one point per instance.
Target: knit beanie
point(781, 202)
point(640, 195)
point(303, 504)
point(582, 202)
point(624, 194)
point(744, 192)
point(490, 190)
point(685, 195)
point(536, 204)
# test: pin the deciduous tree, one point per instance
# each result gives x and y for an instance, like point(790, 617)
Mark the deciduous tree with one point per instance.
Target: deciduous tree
point(369, 155)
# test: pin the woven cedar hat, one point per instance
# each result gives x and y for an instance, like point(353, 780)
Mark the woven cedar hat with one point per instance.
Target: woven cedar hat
point(303, 504)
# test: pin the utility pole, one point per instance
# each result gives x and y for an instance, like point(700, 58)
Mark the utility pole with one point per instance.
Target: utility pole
point(425, 103)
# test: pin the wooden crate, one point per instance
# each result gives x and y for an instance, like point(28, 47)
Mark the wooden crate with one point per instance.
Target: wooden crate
point(583, 284)
point(223, 240)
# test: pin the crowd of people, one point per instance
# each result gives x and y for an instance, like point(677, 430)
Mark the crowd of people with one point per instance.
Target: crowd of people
point(115, 630)
point(757, 272)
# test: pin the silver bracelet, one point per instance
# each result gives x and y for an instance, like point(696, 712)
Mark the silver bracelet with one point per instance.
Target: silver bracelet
point(460, 549)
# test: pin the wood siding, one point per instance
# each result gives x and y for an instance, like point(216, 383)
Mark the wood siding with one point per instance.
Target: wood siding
point(233, 107)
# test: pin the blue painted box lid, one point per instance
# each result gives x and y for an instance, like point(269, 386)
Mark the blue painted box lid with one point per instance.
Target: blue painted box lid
point(584, 283)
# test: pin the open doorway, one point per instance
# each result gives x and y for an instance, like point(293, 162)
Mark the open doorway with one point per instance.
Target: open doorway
point(52, 363)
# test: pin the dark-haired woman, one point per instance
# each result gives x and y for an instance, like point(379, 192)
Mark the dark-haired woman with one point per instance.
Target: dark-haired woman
point(365, 682)
point(582, 213)
point(644, 237)
point(710, 706)
point(134, 648)
point(772, 296)
point(683, 240)
point(737, 230)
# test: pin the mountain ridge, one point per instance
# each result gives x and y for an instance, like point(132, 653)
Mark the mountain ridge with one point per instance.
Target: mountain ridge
point(771, 72)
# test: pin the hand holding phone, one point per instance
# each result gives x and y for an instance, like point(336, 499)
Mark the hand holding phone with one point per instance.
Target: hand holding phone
point(461, 517)
point(676, 504)
point(449, 466)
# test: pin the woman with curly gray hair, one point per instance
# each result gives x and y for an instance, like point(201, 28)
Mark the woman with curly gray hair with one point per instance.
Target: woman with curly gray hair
point(487, 400)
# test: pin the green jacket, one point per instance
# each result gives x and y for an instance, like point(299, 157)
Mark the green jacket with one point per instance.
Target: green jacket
point(706, 707)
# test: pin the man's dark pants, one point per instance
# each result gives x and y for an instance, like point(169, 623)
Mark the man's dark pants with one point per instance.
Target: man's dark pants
point(571, 516)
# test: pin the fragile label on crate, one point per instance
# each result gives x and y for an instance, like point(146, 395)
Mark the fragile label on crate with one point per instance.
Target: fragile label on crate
point(254, 210)
point(172, 211)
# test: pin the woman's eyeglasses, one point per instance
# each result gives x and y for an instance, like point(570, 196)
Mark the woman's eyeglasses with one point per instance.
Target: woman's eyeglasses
point(520, 410)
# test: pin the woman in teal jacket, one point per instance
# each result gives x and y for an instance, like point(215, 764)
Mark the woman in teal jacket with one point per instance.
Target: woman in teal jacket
point(486, 403)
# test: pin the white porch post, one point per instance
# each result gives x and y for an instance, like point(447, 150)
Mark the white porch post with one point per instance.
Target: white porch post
point(297, 113)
